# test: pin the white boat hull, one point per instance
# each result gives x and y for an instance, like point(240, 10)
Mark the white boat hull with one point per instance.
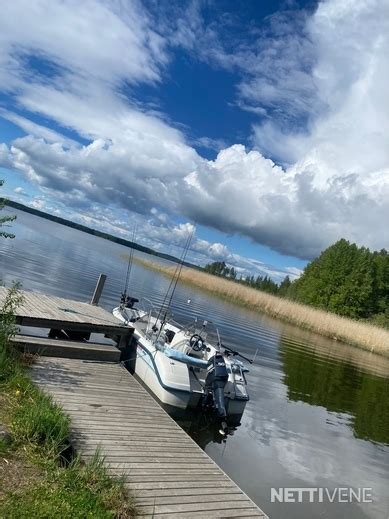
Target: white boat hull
point(171, 380)
point(147, 374)
point(178, 399)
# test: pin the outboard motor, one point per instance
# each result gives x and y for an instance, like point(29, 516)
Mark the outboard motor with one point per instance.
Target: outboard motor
point(215, 382)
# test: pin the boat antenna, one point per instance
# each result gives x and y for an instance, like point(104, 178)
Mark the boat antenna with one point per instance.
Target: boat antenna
point(129, 265)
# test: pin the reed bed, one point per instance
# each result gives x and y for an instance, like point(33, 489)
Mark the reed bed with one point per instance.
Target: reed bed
point(356, 333)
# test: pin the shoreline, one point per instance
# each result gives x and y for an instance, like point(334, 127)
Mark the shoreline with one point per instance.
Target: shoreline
point(355, 333)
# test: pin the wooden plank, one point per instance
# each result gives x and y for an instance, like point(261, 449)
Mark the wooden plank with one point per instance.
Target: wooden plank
point(169, 482)
point(93, 327)
point(121, 470)
point(206, 507)
point(86, 412)
point(253, 512)
point(122, 401)
point(103, 388)
point(92, 393)
point(137, 447)
point(48, 347)
point(158, 464)
point(48, 341)
point(188, 491)
point(150, 443)
point(178, 499)
point(131, 422)
point(138, 434)
point(90, 369)
point(110, 453)
point(85, 383)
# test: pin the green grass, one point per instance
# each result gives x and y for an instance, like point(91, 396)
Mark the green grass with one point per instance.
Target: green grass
point(58, 486)
point(79, 491)
point(4, 447)
point(39, 422)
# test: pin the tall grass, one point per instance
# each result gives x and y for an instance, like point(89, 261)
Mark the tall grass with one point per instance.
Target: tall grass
point(37, 420)
point(363, 335)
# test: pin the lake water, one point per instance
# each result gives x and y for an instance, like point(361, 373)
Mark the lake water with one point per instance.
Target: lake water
point(319, 410)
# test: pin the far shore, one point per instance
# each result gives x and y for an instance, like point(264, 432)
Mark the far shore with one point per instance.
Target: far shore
point(356, 333)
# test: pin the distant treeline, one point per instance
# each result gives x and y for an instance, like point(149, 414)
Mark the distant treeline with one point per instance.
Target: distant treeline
point(89, 230)
point(345, 279)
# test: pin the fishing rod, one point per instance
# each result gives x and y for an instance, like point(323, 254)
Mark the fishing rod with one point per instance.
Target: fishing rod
point(177, 269)
point(189, 240)
point(167, 292)
point(129, 266)
point(173, 283)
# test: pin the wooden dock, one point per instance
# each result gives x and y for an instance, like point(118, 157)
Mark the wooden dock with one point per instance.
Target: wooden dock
point(74, 317)
point(168, 474)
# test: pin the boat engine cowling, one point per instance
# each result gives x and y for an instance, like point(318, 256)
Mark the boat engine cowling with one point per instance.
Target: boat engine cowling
point(217, 376)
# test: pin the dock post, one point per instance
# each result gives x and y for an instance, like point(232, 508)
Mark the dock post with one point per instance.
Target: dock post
point(98, 289)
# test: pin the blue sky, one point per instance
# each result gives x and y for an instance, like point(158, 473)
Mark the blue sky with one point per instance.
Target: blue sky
point(263, 124)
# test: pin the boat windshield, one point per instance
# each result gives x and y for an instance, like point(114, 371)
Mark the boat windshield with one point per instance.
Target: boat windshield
point(206, 329)
point(146, 305)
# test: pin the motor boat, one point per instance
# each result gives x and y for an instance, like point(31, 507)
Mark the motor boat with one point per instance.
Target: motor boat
point(185, 366)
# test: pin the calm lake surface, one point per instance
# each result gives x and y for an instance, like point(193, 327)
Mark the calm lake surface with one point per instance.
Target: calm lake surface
point(319, 410)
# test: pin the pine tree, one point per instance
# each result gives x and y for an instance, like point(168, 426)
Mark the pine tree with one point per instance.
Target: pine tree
point(284, 287)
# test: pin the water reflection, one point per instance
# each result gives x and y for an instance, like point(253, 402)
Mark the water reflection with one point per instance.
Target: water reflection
point(341, 388)
point(203, 427)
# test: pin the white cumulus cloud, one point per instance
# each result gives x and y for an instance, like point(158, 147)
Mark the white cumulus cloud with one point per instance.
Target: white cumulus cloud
point(332, 74)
